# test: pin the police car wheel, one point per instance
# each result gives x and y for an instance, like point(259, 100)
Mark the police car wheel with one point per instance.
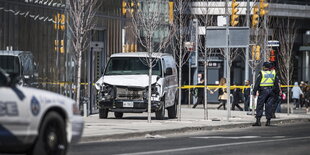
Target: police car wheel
point(160, 113)
point(118, 115)
point(103, 113)
point(52, 137)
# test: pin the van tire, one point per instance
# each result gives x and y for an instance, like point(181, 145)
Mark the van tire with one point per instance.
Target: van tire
point(103, 113)
point(173, 110)
point(160, 113)
point(118, 115)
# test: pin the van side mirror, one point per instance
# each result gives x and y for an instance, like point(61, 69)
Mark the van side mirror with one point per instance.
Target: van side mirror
point(168, 71)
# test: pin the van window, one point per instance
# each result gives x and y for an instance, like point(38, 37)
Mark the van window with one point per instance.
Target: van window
point(28, 66)
point(10, 64)
point(131, 66)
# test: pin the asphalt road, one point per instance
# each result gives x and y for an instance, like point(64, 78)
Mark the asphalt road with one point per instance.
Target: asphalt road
point(279, 139)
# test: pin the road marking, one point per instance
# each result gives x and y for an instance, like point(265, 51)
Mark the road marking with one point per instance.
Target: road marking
point(212, 146)
point(225, 137)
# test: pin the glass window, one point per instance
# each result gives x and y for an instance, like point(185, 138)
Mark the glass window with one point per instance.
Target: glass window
point(10, 64)
point(28, 67)
point(131, 66)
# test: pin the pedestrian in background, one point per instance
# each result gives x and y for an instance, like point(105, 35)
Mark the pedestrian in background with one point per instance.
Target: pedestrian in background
point(246, 95)
point(303, 89)
point(278, 93)
point(236, 98)
point(296, 94)
point(222, 94)
point(265, 88)
point(283, 98)
point(200, 91)
point(307, 98)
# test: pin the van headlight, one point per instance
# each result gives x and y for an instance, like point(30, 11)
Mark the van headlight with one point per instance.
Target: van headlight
point(108, 92)
point(155, 89)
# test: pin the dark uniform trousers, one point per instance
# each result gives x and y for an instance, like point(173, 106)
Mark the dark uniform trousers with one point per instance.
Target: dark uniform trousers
point(266, 96)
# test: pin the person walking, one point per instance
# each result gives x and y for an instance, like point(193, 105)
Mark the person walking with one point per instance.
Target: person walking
point(266, 87)
point(307, 98)
point(222, 94)
point(246, 95)
point(303, 89)
point(296, 93)
point(200, 91)
point(236, 98)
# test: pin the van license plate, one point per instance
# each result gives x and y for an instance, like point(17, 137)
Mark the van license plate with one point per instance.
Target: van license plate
point(128, 104)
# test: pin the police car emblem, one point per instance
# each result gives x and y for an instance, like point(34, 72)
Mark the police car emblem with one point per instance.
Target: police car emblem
point(35, 106)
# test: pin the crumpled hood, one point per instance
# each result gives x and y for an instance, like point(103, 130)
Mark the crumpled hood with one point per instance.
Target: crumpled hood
point(126, 80)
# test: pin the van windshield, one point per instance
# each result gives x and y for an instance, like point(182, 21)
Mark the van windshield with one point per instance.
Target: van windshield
point(131, 66)
point(10, 64)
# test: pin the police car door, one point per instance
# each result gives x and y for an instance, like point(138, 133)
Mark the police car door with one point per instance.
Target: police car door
point(14, 114)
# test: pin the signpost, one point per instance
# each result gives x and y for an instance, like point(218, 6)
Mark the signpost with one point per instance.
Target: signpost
point(227, 37)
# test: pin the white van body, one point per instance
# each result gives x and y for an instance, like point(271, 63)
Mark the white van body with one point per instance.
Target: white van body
point(124, 85)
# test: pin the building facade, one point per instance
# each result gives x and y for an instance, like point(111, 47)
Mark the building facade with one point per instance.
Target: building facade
point(278, 10)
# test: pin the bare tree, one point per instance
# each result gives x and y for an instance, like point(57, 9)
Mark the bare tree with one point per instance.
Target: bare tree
point(81, 14)
point(151, 28)
point(180, 35)
point(207, 53)
point(287, 35)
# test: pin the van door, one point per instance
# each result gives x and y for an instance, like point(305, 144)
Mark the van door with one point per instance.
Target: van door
point(170, 81)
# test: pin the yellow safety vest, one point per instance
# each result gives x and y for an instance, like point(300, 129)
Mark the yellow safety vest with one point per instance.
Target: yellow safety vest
point(268, 78)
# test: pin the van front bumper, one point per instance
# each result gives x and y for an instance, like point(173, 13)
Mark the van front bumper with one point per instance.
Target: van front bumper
point(126, 106)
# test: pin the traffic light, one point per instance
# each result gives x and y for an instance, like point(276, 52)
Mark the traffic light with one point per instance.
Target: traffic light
point(171, 14)
point(272, 57)
point(124, 7)
point(60, 21)
point(255, 16)
point(255, 52)
point(263, 5)
point(234, 17)
point(132, 5)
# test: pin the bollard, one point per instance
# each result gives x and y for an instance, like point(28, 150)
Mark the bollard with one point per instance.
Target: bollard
point(85, 109)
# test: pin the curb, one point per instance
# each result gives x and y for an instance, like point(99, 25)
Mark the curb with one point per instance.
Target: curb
point(125, 136)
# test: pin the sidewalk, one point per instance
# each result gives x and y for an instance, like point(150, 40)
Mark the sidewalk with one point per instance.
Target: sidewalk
point(135, 125)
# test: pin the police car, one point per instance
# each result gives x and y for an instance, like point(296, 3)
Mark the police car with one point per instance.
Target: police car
point(34, 121)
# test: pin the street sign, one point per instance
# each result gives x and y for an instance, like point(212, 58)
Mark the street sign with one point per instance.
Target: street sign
point(97, 45)
point(238, 37)
point(273, 43)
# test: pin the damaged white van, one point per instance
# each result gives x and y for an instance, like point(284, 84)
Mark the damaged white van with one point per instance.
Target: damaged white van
point(123, 88)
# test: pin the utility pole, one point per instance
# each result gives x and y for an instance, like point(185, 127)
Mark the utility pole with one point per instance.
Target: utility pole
point(205, 69)
point(247, 49)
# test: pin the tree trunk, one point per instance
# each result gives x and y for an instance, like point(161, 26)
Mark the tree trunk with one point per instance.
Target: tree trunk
point(149, 88)
point(253, 99)
point(205, 87)
point(288, 89)
point(78, 83)
point(180, 63)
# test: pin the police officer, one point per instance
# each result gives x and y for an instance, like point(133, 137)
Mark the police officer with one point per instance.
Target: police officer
point(265, 87)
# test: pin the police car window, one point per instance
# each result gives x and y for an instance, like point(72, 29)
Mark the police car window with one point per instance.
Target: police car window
point(3, 79)
point(10, 64)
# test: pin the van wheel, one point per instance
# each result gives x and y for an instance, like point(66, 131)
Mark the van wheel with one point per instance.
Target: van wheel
point(160, 113)
point(172, 111)
point(118, 115)
point(52, 137)
point(103, 113)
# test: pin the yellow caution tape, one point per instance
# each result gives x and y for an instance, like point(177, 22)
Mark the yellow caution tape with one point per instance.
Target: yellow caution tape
point(215, 86)
point(64, 83)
